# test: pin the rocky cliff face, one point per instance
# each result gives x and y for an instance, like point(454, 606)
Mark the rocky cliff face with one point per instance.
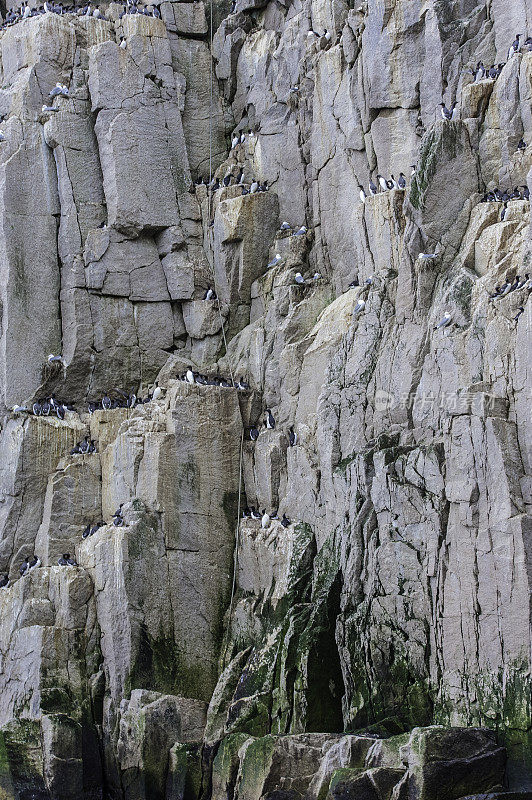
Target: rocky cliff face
point(379, 645)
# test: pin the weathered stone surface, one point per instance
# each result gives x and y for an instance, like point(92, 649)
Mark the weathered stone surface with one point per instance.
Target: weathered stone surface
point(398, 595)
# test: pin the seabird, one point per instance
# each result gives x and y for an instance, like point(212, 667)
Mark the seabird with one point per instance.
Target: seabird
point(359, 307)
point(447, 113)
point(18, 409)
point(382, 182)
point(123, 44)
point(327, 35)
point(275, 261)
point(301, 232)
point(354, 284)
point(362, 194)
point(294, 89)
point(86, 532)
point(242, 137)
point(413, 168)
point(34, 562)
point(316, 276)
point(255, 514)
point(106, 403)
point(503, 211)
point(60, 411)
point(254, 434)
point(285, 226)
point(292, 437)
point(55, 359)
point(480, 71)
point(254, 188)
point(401, 182)
point(505, 289)
point(521, 145)
point(210, 294)
point(299, 279)
point(514, 47)
point(372, 188)
point(270, 421)
point(285, 522)
point(520, 310)
point(445, 320)
point(427, 255)
point(24, 567)
point(235, 141)
point(265, 520)
point(189, 376)
point(515, 284)
point(48, 109)
point(157, 392)
point(524, 281)
point(4, 580)
point(118, 522)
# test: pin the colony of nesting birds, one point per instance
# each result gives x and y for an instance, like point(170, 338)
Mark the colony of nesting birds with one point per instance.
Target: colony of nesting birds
point(16, 15)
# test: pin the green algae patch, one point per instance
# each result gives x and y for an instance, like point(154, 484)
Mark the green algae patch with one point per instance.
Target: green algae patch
point(255, 766)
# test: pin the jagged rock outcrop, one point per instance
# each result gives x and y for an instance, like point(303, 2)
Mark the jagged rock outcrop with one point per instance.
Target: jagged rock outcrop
point(378, 643)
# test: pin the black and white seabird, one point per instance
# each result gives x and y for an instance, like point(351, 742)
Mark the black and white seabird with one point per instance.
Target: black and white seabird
point(372, 187)
point(521, 145)
point(265, 519)
point(86, 532)
point(292, 437)
point(210, 294)
point(362, 194)
point(301, 232)
point(359, 307)
point(382, 183)
point(270, 421)
point(24, 567)
point(254, 434)
point(285, 226)
point(285, 522)
point(447, 113)
point(401, 181)
point(4, 580)
point(189, 376)
point(514, 47)
point(275, 261)
point(254, 188)
point(520, 310)
point(34, 561)
point(298, 277)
